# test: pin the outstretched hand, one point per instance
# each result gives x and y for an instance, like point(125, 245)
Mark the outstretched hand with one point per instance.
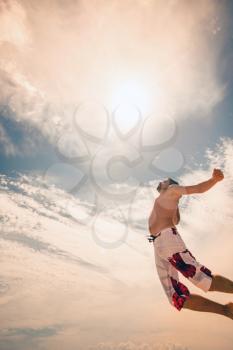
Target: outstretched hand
point(217, 174)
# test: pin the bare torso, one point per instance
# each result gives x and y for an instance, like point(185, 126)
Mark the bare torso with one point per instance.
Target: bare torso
point(165, 213)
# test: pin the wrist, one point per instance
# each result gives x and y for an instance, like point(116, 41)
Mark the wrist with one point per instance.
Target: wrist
point(214, 180)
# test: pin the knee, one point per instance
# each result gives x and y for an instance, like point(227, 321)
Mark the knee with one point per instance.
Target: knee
point(215, 279)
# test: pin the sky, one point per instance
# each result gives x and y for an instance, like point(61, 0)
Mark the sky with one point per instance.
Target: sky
point(99, 101)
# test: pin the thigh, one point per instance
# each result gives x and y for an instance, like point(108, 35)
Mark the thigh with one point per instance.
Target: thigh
point(175, 291)
point(191, 268)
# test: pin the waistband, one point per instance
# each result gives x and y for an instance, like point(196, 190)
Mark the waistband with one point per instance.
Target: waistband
point(151, 238)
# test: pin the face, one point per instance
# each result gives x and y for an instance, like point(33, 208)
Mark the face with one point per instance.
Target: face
point(164, 184)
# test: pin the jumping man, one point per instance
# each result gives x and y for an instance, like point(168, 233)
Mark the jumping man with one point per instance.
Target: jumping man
point(172, 255)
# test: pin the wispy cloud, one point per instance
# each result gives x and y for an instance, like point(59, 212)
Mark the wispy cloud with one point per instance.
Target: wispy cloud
point(30, 332)
point(24, 338)
point(43, 83)
point(36, 265)
point(53, 243)
point(35, 197)
point(135, 346)
point(43, 247)
point(7, 146)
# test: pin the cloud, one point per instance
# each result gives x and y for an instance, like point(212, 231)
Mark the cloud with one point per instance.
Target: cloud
point(208, 212)
point(13, 28)
point(43, 83)
point(4, 286)
point(36, 198)
point(57, 101)
point(43, 247)
point(207, 217)
point(25, 338)
point(30, 332)
point(7, 146)
point(135, 346)
point(130, 288)
point(19, 139)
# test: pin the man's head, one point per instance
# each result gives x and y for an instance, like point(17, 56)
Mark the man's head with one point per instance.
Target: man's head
point(163, 185)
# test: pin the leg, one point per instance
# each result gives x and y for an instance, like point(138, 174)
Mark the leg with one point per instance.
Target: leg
point(175, 291)
point(221, 284)
point(199, 303)
point(192, 269)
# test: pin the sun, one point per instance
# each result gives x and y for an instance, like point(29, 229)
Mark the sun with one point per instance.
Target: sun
point(130, 101)
point(131, 92)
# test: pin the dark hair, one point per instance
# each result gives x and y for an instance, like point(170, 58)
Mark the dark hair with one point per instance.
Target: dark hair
point(171, 182)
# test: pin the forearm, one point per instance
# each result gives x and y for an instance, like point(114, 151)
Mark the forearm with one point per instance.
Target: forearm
point(206, 185)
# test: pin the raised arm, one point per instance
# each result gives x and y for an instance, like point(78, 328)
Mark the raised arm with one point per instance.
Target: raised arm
point(217, 176)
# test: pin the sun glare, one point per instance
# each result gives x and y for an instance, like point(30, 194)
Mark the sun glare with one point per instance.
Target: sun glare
point(131, 93)
point(130, 101)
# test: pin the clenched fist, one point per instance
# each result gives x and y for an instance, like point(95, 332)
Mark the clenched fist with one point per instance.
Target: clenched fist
point(217, 175)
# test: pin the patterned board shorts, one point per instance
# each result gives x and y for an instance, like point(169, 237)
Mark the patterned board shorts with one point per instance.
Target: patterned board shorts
point(171, 257)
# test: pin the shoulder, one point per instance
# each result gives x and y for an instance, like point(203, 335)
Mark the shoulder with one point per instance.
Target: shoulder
point(175, 190)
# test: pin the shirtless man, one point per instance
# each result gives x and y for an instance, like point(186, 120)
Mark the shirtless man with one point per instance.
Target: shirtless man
point(172, 255)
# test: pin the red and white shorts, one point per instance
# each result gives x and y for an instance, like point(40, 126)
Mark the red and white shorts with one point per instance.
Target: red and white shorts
point(171, 257)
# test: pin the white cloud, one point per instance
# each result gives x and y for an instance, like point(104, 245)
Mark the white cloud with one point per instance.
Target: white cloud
point(40, 239)
point(207, 218)
point(137, 346)
point(51, 64)
point(13, 28)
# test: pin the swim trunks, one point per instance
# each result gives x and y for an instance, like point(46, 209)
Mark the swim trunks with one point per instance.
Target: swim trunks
point(171, 257)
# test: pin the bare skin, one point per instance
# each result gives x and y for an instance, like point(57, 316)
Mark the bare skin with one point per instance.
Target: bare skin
point(165, 213)
point(198, 303)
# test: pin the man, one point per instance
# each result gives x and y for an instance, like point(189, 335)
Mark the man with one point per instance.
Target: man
point(172, 255)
